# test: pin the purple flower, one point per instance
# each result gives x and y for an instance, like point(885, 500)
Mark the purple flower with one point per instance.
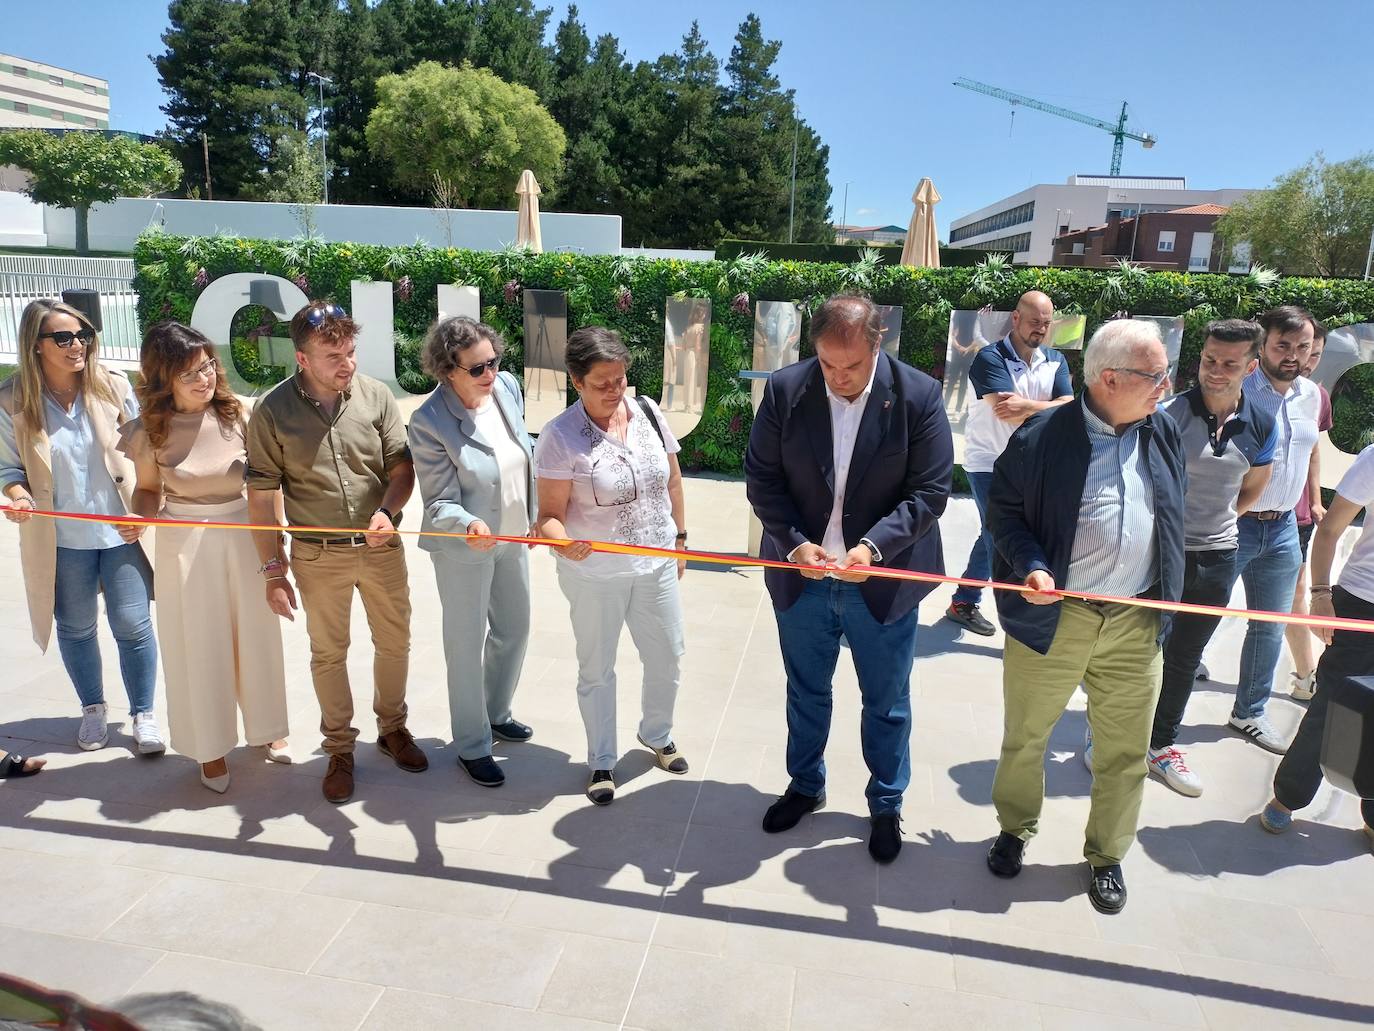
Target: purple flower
point(303, 284)
point(740, 304)
point(404, 288)
point(202, 279)
point(624, 299)
point(512, 290)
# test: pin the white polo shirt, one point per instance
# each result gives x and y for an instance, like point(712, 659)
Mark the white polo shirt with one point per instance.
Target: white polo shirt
point(998, 369)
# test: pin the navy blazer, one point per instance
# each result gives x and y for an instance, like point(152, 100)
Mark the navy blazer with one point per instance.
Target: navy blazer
point(1033, 506)
point(899, 478)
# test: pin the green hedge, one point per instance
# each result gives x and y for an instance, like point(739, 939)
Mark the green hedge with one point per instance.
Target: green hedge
point(628, 294)
point(845, 253)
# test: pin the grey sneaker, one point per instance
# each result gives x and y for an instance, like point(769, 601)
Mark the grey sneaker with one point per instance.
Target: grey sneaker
point(966, 614)
point(95, 727)
point(147, 734)
point(1259, 730)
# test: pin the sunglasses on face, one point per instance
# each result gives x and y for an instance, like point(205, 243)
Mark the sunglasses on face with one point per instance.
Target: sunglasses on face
point(65, 337)
point(481, 368)
point(317, 315)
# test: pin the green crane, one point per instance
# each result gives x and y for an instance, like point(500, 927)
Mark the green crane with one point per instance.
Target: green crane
point(1118, 130)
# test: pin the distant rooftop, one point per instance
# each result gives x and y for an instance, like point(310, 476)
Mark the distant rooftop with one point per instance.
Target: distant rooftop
point(1136, 182)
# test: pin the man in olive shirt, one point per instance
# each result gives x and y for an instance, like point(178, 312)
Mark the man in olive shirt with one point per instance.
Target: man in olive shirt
point(332, 442)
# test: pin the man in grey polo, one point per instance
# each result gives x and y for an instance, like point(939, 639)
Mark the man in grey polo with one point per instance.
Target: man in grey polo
point(1228, 443)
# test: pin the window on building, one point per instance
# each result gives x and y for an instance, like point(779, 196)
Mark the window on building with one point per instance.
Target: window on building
point(20, 71)
point(1166, 241)
point(55, 80)
point(88, 88)
point(21, 107)
point(90, 123)
point(1078, 247)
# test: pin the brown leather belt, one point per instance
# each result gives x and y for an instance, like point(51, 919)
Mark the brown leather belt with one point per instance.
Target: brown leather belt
point(356, 541)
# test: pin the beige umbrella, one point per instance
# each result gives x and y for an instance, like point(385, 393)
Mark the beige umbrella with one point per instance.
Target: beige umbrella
point(527, 221)
point(922, 247)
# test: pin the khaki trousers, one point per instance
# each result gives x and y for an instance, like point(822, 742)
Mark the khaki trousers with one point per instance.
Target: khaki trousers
point(1111, 650)
point(221, 644)
point(326, 576)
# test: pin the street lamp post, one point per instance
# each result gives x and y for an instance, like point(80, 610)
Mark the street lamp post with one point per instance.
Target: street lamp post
point(324, 156)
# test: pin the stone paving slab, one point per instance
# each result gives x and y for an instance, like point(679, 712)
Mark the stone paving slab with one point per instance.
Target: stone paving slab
point(429, 902)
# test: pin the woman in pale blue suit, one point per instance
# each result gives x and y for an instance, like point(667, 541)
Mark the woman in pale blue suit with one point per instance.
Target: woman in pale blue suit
point(474, 464)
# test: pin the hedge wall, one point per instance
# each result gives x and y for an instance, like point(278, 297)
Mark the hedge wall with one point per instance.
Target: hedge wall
point(628, 294)
point(888, 254)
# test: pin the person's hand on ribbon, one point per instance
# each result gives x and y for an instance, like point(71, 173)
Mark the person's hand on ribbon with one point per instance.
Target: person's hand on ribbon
point(479, 536)
point(129, 532)
point(813, 559)
point(1042, 589)
point(19, 509)
point(859, 555)
point(380, 529)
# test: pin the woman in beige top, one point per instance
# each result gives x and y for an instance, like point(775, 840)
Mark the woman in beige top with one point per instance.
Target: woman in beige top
point(221, 646)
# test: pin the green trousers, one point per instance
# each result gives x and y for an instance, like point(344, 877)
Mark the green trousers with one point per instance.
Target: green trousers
point(1111, 650)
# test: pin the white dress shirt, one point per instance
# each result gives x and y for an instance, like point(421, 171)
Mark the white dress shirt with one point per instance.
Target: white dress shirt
point(845, 417)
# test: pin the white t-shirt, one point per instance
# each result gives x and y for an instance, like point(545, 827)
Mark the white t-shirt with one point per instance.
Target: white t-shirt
point(1357, 487)
point(510, 458)
point(998, 368)
point(619, 491)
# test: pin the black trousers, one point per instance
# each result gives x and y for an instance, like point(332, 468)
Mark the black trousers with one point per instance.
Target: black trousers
point(1351, 655)
point(1208, 577)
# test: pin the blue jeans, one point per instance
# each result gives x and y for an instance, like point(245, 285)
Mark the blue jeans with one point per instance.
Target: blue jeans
point(980, 555)
point(126, 579)
point(1268, 559)
point(809, 633)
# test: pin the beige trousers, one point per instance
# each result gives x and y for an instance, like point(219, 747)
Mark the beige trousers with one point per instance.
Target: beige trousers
point(327, 577)
point(221, 644)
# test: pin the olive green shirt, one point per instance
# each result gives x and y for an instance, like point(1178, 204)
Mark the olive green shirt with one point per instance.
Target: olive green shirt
point(332, 472)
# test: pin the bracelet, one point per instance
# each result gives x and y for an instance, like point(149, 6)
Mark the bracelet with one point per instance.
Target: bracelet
point(682, 536)
point(1319, 589)
point(271, 563)
point(271, 578)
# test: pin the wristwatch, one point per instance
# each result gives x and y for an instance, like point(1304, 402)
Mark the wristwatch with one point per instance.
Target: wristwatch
point(387, 512)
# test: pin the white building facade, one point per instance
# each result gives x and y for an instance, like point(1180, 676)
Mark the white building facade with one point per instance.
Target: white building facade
point(1027, 223)
point(34, 95)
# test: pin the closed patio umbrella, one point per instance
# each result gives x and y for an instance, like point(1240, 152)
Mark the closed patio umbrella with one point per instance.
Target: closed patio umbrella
point(922, 247)
point(527, 221)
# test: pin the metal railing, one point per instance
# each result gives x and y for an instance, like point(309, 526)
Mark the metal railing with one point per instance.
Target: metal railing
point(25, 278)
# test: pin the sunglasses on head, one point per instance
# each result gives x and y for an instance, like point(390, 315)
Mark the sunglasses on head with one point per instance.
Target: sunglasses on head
point(65, 337)
point(481, 368)
point(317, 315)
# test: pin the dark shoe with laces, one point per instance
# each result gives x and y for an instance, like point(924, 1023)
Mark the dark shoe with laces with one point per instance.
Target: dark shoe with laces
point(483, 770)
point(885, 838)
point(338, 779)
point(601, 788)
point(966, 614)
point(1004, 858)
point(1107, 892)
point(787, 811)
point(404, 752)
point(512, 730)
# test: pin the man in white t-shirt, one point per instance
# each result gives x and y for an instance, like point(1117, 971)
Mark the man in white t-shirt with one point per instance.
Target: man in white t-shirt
point(1013, 379)
point(1349, 653)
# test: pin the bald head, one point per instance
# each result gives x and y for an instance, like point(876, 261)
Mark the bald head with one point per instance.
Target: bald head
point(1030, 322)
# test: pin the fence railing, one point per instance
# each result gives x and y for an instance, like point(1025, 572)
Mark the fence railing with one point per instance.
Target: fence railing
point(25, 278)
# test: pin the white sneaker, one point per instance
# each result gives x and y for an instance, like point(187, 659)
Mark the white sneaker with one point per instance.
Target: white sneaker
point(1169, 765)
point(1259, 730)
point(95, 727)
point(1303, 687)
point(147, 735)
point(1088, 748)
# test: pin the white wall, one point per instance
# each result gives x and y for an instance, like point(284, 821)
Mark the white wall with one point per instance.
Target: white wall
point(115, 226)
point(21, 221)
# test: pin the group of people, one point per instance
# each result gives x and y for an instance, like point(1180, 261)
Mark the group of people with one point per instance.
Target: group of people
point(849, 467)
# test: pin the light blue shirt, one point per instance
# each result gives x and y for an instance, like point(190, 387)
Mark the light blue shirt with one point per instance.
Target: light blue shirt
point(1296, 414)
point(80, 479)
point(1114, 548)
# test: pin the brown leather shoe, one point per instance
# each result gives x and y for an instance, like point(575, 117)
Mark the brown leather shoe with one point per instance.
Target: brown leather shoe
point(338, 780)
point(401, 746)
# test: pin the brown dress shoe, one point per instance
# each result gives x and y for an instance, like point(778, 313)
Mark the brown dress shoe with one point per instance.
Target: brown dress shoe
point(401, 746)
point(338, 780)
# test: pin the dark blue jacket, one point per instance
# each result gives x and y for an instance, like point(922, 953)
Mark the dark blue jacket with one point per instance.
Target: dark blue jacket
point(899, 478)
point(1033, 505)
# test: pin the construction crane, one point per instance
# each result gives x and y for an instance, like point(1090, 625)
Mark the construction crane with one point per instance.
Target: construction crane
point(1118, 130)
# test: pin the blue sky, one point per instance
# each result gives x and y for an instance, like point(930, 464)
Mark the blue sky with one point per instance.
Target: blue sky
point(1237, 91)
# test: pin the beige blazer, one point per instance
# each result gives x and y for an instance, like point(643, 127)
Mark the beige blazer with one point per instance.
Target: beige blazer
point(38, 536)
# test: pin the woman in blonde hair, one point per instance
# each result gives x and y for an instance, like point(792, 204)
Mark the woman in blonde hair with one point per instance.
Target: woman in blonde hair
point(221, 646)
point(60, 415)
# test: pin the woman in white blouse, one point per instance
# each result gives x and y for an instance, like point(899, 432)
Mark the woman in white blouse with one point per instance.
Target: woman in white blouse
point(607, 471)
point(474, 465)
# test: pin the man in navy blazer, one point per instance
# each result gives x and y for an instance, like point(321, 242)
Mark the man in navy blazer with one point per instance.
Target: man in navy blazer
point(849, 464)
point(1087, 497)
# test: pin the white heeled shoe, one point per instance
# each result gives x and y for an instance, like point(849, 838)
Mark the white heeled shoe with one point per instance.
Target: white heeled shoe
point(278, 755)
point(218, 784)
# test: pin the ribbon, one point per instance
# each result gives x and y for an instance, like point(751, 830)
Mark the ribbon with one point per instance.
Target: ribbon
point(716, 558)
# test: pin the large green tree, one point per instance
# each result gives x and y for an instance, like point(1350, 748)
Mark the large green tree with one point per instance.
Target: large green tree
point(468, 126)
point(1316, 219)
point(76, 169)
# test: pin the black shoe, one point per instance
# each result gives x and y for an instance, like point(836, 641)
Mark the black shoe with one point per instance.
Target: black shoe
point(483, 770)
point(966, 614)
point(512, 730)
point(601, 787)
point(885, 839)
point(1004, 858)
point(1107, 892)
point(787, 811)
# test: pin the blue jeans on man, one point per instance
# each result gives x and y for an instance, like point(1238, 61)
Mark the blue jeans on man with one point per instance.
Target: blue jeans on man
point(810, 633)
point(1268, 558)
point(980, 555)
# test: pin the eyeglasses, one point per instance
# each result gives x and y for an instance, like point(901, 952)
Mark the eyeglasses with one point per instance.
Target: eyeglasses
point(206, 369)
point(481, 368)
point(316, 316)
point(1155, 378)
point(65, 337)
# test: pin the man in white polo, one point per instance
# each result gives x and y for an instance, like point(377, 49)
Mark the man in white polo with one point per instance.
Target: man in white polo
point(1012, 379)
